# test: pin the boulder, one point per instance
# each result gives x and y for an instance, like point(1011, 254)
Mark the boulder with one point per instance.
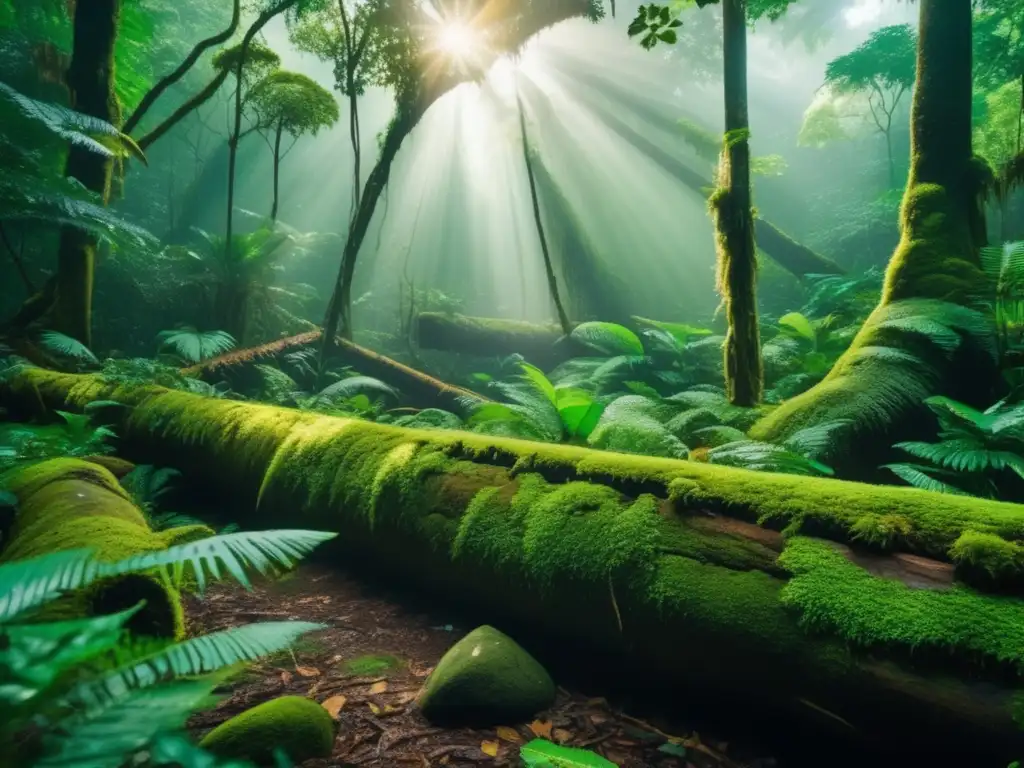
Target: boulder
point(486, 679)
point(299, 727)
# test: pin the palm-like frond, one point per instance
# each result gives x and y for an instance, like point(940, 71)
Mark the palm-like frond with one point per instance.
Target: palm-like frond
point(105, 736)
point(83, 131)
point(919, 477)
point(25, 584)
point(766, 457)
point(264, 551)
point(194, 346)
point(819, 442)
point(65, 346)
point(198, 656)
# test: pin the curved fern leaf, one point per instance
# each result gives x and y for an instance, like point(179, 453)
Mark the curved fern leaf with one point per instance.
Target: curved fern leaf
point(197, 656)
point(262, 550)
point(25, 584)
point(195, 346)
point(65, 346)
point(608, 338)
point(357, 385)
point(918, 477)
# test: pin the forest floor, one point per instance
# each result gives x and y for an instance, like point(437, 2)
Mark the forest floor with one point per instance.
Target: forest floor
point(367, 667)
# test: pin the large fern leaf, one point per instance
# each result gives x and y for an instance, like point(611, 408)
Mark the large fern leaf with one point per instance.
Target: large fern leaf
point(195, 346)
point(919, 477)
point(198, 656)
point(357, 385)
point(265, 551)
point(106, 735)
point(66, 346)
point(25, 584)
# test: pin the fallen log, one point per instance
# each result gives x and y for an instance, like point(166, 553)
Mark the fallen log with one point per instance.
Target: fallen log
point(543, 344)
point(858, 611)
point(78, 504)
point(418, 389)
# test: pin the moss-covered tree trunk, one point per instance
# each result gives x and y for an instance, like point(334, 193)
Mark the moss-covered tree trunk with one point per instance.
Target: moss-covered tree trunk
point(734, 220)
point(923, 337)
point(670, 567)
point(90, 80)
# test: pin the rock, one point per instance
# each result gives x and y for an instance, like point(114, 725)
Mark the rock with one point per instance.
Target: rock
point(486, 679)
point(298, 726)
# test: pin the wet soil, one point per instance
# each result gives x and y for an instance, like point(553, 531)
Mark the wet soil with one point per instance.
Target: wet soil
point(367, 667)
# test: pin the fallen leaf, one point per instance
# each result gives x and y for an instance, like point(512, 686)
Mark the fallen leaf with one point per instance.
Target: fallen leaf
point(405, 697)
point(308, 671)
point(333, 705)
point(541, 728)
point(445, 760)
point(561, 735)
point(509, 734)
point(489, 748)
point(379, 687)
point(286, 677)
point(418, 671)
point(598, 719)
point(373, 707)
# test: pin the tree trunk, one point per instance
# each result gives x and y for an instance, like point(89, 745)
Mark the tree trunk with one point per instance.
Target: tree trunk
point(544, 345)
point(876, 399)
point(277, 169)
point(624, 555)
point(90, 81)
point(549, 270)
point(338, 320)
point(731, 204)
point(892, 160)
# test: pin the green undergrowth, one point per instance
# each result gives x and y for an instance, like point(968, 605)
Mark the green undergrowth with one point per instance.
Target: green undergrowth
point(834, 595)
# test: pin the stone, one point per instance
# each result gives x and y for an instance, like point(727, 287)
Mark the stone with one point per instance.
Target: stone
point(486, 679)
point(299, 727)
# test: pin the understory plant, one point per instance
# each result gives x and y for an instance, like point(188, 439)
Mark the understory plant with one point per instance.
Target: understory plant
point(86, 692)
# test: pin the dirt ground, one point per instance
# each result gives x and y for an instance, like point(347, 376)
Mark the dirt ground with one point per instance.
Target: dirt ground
point(368, 665)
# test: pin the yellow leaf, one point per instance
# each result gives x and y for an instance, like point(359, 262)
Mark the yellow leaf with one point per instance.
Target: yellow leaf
point(373, 707)
point(308, 671)
point(508, 734)
point(562, 735)
point(541, 729)
point(286, 677)
point(379, 687)
point(333, 705)
point(489, 748)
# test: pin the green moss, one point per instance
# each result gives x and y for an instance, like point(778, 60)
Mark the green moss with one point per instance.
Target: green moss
point(185, 534)
point(299, 727)
point(837, 596)
point(996, 557)
point(882, 531)
point(72, 504)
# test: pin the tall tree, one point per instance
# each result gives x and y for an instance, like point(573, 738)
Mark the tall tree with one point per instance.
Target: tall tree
point(882, 70)
point(288, 103)
point(342, 33)
point(731, 204)
point(924, 333)
point(420, 69)
point(91, 85)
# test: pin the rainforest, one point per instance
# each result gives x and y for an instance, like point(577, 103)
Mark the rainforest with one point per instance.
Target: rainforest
point(527, 383)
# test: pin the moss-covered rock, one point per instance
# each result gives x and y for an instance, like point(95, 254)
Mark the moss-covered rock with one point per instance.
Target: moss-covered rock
point(486, 679)
point(299, 727)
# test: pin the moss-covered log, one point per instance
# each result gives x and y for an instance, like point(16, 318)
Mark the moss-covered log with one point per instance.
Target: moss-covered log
point(418, 389)
point(672, 564)
point(541, 343)
point(77, 504)
point(923, 335)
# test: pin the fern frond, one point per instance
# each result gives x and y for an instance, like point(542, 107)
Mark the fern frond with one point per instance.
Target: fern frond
point(818, 442)
point(25, 584)
point(917, 476)
point(65, 346)
point(197, 656)
point(357, 385)
point(194, 346)
point(104, 737)
point(262, 550)
point(608, 338)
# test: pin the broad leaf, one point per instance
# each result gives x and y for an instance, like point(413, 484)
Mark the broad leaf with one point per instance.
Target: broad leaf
point(541, 753)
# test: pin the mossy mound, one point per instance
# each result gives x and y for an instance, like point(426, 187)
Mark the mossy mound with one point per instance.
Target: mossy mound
point(75, 504)
point(486, 679)
point(299, 727)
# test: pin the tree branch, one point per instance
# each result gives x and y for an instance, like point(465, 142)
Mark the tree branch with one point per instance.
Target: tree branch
point(201, 47)
point(183, 111)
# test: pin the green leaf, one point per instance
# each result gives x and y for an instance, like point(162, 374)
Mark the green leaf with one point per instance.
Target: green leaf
point(608, 338)
point(668, 36)
point(541, 753)
point(27, 583)
point(262, 550)
point(198, 656)
point(799, 324)
point(536, 377)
